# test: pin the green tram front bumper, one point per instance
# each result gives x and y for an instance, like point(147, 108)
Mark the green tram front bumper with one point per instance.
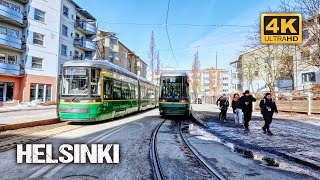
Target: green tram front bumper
point(79, 112)
point(174, 108)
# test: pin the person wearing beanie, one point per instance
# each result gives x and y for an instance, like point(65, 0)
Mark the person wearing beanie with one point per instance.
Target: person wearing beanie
point(268, 108)
point(224, 104)
point(245, 103)
point(237, 111)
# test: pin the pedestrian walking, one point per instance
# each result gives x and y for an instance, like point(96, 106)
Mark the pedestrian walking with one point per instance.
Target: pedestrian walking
point(224, 104)
point(237, 111)
point(268, 108)
point(245, 103)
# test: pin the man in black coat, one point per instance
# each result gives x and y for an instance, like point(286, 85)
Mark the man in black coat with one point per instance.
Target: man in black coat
point(268, 108)
point(245, 103)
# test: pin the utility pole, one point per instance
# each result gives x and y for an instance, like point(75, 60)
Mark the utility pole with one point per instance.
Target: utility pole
point(216, 60)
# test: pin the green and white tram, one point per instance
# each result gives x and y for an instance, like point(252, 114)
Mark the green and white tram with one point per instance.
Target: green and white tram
point(97, 90)
point(174, 94)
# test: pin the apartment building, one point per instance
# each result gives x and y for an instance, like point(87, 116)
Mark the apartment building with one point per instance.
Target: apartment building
point(112, 49)
point(78, 29)
point(225, 82)
point(306, 68)
point(256, 71)
point(36, 37)
point(29, 34)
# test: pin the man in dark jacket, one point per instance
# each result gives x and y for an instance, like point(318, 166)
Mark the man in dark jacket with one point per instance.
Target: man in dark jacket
point(268, 108)
point(245, 103)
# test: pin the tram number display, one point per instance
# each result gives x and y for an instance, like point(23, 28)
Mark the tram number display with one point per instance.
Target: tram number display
point(172, 80)
point(75, 71)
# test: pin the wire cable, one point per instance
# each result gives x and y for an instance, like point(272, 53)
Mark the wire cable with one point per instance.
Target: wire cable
point(174, 57)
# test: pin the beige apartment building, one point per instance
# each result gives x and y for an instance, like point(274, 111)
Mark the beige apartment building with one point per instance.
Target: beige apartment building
point(113, 50)
point(214, 82)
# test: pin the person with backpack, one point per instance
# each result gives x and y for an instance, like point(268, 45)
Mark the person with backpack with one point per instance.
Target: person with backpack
point(224, 104)
point(237, 111)
point(268, 108)
point(245, 103)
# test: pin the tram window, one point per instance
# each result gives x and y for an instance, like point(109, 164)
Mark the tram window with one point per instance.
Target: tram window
point(125, 91)
point(116, 90)
point(107, 89)
point(132, 91)
point(95, 82)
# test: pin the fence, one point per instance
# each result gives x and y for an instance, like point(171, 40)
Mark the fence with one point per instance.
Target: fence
point(295, 101)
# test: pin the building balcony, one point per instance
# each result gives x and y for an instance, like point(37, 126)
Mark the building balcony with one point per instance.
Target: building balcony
point(12, 69)
point(11, 16)
point(86, 28)
point(22, 1)
point(12, 43)
point(78, 58)
point(85, 45)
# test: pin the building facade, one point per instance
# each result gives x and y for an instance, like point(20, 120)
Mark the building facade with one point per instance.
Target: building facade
point(110, 48)
point(259, 69)
point(36, 37)
point(307, 66)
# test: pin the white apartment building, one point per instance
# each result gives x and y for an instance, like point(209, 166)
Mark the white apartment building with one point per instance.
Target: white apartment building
point(77, 31)
point(36, 37)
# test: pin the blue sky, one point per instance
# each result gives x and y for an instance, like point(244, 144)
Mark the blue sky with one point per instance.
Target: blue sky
point(226, 41)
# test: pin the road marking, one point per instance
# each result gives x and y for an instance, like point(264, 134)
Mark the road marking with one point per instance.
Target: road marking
point(40, 171)
point(56, 169)
point(98, 138)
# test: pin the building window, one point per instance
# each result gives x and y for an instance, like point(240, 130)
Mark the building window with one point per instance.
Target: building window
point(39, 15)
point(38, 39)
point(305, 34)
point(65, 11)
point(36, 63)
point(309, 77)
point(65, 30)
point(256, 73)
point(40, 92)
point(305, 55)
point(225, 78)
point(113, 41)
point(63, 50)
point(2, 58)
point(13, 33)
point(10, 5)
point(6, 91)
point(9, 32)
point(12, 59)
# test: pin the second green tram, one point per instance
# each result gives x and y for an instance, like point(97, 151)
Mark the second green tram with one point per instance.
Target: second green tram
point(174, 94)
point(97, 90)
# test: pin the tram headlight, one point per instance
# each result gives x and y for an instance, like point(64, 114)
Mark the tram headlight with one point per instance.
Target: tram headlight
point(87, 100)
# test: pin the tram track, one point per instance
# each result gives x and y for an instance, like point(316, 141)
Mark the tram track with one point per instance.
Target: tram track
point(158, 171)
point(154, 154)
point(201, 159)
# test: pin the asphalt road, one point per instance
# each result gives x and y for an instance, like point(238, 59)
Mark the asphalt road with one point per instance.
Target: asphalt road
point(133, 134)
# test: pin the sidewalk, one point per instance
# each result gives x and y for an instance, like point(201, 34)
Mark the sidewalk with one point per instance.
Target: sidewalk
point(295, 137)
point(26, 116)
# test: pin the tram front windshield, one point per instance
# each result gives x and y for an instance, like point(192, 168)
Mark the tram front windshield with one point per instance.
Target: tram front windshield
point(76, 82)
point(174, 87)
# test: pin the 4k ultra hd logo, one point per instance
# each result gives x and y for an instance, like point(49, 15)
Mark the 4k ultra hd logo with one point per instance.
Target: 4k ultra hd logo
point(281, 28)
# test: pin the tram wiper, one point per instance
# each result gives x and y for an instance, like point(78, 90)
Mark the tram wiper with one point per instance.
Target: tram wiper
point(75, 96)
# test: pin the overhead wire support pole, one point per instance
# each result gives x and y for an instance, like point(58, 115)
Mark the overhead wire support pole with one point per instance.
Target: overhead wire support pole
point(174, 57)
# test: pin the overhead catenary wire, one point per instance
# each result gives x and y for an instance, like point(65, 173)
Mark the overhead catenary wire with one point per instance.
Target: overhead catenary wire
point(175, 24)
point(169, 40)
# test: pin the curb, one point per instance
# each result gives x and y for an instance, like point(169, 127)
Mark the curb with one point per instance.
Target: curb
point(283, 155)
point(29, 124)
point(16, 110)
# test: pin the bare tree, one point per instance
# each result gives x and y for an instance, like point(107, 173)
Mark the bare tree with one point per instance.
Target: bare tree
point(157, 56)
point(152, 55)
point(268, 62)
point(195, 85)
point(310, 10)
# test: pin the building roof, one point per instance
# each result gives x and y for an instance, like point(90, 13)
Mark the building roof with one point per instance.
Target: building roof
point(82, 11)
